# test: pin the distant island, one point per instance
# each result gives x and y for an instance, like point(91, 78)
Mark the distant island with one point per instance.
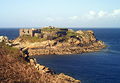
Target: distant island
point(57, 41)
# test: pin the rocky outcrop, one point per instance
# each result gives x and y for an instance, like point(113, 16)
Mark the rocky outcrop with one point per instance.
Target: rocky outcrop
point(74, 42)
point(66, 50)
point(5, 40)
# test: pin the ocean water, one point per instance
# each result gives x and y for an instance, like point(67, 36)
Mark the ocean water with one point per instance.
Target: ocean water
point(11, 33)
point(97, 67)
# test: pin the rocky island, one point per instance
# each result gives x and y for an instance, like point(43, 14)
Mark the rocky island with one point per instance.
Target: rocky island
point(57, 41)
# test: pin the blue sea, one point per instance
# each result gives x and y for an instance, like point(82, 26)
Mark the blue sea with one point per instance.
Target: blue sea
point(97, 67)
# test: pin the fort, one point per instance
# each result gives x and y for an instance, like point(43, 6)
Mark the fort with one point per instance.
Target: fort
point(45, 32)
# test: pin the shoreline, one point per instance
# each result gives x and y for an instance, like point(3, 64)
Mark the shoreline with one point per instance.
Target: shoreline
point(46, 70)
point(61, 51)
point(19, 64)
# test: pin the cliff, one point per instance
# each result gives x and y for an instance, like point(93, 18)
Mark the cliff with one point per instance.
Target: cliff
point(17, 67)
point(59, 41)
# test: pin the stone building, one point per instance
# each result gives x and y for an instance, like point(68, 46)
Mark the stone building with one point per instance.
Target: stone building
point(46, 32)
point(30, 32)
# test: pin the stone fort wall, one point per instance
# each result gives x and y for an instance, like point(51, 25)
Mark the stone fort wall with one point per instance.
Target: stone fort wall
point(30, 32)
point(45, 34)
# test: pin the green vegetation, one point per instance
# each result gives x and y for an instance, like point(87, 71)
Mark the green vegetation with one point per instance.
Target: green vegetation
point(8, 50)
point(31, 39)
point(13, 52)
point(58, 36)
point(67, 36)
point(71, 34)
point(50, 29)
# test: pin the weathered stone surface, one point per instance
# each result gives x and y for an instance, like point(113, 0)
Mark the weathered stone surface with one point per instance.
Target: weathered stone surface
point(41, 67)
point(90, 31)
point(74, 41)
point(32, 61)
point(4, 39)
point(80, 32)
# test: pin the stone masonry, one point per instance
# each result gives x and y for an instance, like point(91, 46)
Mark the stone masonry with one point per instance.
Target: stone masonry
point(30, 32)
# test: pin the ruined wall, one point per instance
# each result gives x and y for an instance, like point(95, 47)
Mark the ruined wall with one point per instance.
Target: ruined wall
point(29, 32)
point(46, 33)
point(36, 31)
point(26, 32)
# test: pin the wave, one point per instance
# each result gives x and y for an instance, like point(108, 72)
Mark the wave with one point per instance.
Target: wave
point(111, 51)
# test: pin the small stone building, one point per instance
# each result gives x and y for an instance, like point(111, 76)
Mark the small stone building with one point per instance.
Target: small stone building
point(30, 32)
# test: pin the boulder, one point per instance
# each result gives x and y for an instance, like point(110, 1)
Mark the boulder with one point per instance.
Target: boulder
point(41, 67)
point(80, 32)
point(74, 41)
point(67, 79)
point(4, 39)
point(33, 61)
point(90, 31)
point(100, 42)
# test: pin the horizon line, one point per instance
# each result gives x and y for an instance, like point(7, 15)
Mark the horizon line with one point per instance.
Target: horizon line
point(62, 27)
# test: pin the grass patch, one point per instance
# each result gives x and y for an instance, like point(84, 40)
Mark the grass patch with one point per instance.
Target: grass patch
point(12, 52)
point(31, 39)
point(71, 34)
point(8, 49)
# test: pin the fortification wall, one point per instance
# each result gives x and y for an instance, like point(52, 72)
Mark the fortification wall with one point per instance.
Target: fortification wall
point(30, 32)
point(25, 32)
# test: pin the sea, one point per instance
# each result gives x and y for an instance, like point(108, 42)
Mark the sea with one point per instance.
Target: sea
point(96, 67)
